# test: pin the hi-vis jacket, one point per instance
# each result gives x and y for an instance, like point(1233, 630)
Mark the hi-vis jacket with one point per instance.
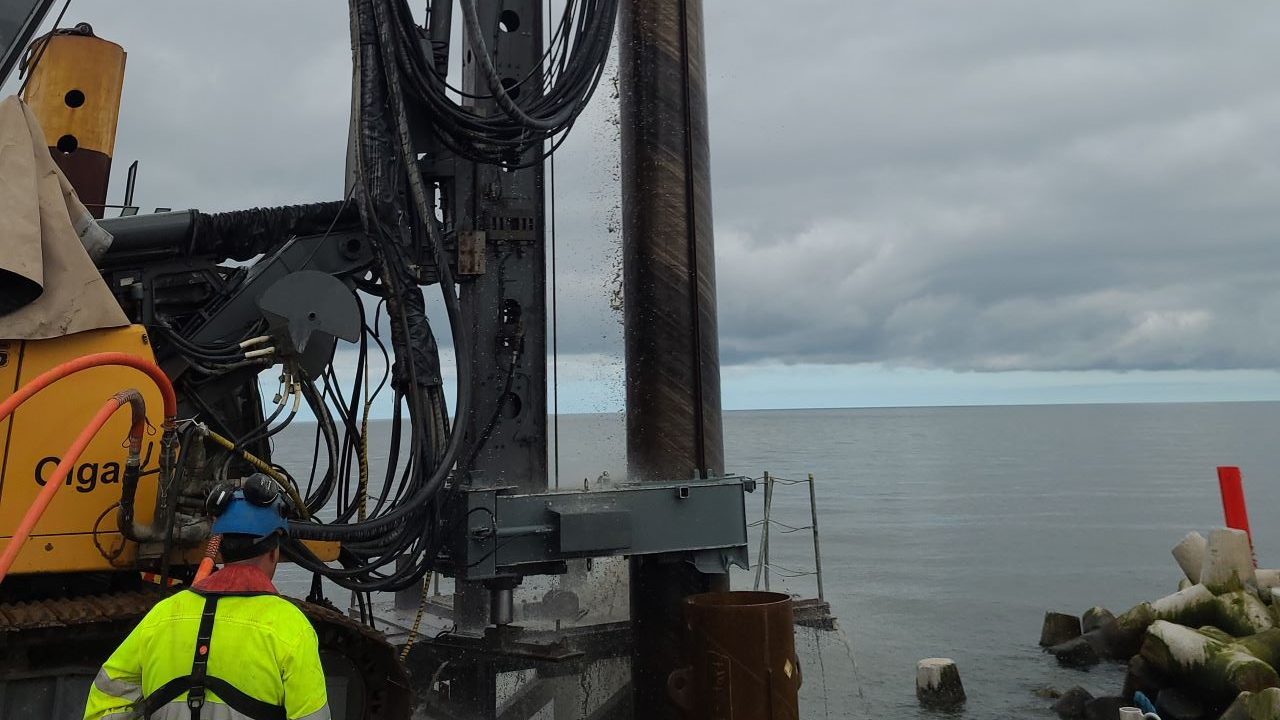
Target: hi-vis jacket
point(262, 658)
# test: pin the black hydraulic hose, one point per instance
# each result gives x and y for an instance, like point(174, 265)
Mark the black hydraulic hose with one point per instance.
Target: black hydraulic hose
point(373, 527)
point(262, 430)
point(210, 354)
point(500, 95)
point(393, 454)
point(324, 420)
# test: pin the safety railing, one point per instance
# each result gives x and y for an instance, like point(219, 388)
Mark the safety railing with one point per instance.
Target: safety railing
point(814, 612)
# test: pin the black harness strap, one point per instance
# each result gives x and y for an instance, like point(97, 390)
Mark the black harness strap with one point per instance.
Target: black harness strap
point(237, 700)
point(200, 665)
point(198, 683)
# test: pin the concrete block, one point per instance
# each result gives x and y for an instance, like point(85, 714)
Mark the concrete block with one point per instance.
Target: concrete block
point(938, 683)
point(1190, 555)
point(1177, 704)
point(1076, 653)
point(1095, 618)
point(1058, 628)
point(1071, 705)
point(1228, 562)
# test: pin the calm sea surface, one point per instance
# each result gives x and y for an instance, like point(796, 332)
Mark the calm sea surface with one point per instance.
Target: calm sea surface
point(949, 531)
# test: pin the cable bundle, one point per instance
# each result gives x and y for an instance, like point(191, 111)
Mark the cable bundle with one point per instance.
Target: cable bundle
point(530, 114)
point(392, 537)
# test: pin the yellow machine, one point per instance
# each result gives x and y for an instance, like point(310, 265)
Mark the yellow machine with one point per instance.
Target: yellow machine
point(79, 534)
point(78, 584)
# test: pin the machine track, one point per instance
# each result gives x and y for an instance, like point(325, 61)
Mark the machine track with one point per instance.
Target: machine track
point(50, 651)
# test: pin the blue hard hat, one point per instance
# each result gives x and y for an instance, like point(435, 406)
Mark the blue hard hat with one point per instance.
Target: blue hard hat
point(242, 517)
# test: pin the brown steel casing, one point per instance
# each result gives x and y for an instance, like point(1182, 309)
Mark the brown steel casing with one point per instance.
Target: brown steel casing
point(669, 291)
point(743, 649)
point(669, 307)
point(75, 92)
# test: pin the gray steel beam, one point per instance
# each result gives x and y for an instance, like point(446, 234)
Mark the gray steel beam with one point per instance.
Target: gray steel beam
point(507, 535)
point(502, 271)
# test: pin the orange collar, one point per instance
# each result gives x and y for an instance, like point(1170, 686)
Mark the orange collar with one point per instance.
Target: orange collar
point(236, 580)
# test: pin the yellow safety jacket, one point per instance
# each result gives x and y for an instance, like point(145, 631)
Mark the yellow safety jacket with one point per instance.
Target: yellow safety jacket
point(255, 655)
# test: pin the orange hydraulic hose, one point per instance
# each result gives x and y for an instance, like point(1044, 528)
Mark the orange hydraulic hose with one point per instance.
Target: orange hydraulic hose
point(206, 563)
point(131, 397)
point(70, 367)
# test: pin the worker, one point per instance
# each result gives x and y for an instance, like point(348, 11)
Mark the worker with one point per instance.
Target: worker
point(229, 648)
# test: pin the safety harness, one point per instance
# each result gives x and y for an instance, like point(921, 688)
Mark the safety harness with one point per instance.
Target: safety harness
point(199, 682)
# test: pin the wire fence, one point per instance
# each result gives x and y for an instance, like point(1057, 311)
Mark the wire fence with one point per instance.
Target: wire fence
point(765, 568)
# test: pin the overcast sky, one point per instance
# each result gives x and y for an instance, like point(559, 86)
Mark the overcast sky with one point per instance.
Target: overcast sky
point(915, 202)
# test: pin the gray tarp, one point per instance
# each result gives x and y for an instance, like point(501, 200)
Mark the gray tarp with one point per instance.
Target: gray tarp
point(49, 286)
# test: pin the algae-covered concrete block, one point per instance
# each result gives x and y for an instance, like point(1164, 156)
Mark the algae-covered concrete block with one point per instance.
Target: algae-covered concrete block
point(1071, 705)
point(1095, 618)
point(938, 683)
point(1124, 636)
point(1262, 705)
point(1077, 653)
point(1193, 606)
point(1241, 614)
point(1268, 580)
point(1141, 677)
point(1228, 562)
point(1217, 670)
point(1177, 704)
point(1058, 628)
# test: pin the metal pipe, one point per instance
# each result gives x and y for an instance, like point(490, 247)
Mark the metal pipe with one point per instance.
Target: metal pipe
point(669, 311)
point(669, 307)
point(744, 664)
point(502, 606)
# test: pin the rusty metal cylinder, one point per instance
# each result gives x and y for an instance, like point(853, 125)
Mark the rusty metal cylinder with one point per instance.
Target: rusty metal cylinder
point(74, 90)
point(743, 649)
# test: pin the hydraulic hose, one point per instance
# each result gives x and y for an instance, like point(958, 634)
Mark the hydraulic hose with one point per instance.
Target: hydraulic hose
point(133, 399)
point(129, 482)
point(210, 554)
point(53, 375)
point(261, 466)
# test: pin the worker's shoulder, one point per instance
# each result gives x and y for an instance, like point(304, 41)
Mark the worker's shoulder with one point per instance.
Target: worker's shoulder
point(177, 603)
point(274, 610)
point(255, 607)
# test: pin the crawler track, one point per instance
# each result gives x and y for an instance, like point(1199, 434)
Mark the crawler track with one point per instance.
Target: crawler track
point(50, 649)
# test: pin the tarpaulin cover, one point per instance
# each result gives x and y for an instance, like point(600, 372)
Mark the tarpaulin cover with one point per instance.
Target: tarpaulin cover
point(49, 285)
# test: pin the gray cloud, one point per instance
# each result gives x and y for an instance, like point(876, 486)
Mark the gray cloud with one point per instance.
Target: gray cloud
point(997, 185)
point(986, 185)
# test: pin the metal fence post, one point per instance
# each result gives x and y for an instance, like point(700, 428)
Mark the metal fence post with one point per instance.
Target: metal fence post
point(763, 561)
point(817, 553)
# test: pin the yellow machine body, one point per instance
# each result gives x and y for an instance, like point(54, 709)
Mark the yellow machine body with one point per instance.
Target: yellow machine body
point(35, 437)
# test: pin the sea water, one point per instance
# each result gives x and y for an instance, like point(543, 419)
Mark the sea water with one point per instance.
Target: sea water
point(950, 531)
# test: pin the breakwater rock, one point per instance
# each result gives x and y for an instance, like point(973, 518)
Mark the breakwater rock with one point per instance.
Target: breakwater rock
point(1210, 650)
